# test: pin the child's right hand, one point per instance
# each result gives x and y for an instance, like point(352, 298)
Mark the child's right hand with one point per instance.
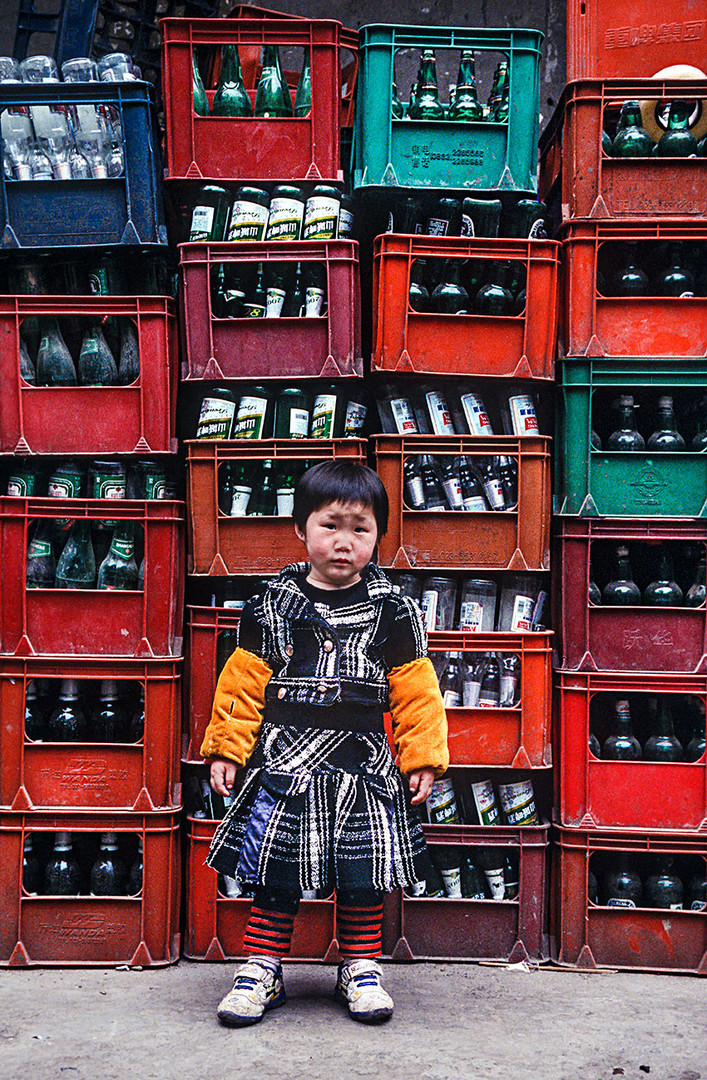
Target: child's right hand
point(222, 776)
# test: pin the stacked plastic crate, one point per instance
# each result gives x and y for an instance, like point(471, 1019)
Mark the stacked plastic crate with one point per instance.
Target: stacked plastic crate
point(423, 361)
point(235, 353)
point(632, 816)
point(104, 651)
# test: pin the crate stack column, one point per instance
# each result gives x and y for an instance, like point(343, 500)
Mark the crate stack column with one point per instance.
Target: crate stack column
point(90, 678)
point(630, 532)
point(432, 368)
point(234, 543)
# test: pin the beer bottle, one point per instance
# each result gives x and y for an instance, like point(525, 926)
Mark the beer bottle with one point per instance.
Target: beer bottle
point(34, 716)
point(355, 418)
point(473, 669)
point(518, 412)
point(629, 279)
point(119, 568)
point(412, 479)
point(426, 104)
point(41, 564)
point(492, 862)
point(508, 472)
point(396, 105)
point(231, 98)
point(292, 413)
point(594, 592)
point(255, 304)
point(481, 217)
point(622, 887)
point(666, 437)
point(448, 862)
point(473, 882)
point(76, 568)
point(510, 680)
point(696, 893)
point(491, 483)
point(285, 490)
point(527, 220)
point(321, 213)
point(500, 103)
point(664, 591)
point(314, 290)
point(293, 306)
point(286, 213)
point(208, 219)
point(444, 218)
point(418, 295)
point(473, 499)
point(475, 415)
point(699, 440)
point(594, 747)
point(327, 415)
point(108, 874)
point(31, 874)
point(631, 139)
point(272, 97)
point(626, 437)
point(242, 489)
point(346, 226)
point(230, 291)
point(434, 492)
point(96, 365)
point(275, 292)
point(622, 590)
point(451, 484)
point(129, 359)
point(490, 689)
point(137, 720)
point(662, 744)
point(67, 722)
point(621, 744)
point(55, 366)
point(27, 371)
point(250, 215)
point(697, 593)
point(676, 279)
point(663, 888)
point(511, 876)
point(263, 499)
point(466, 105)
point(216, 418)
point(62, 876)
point(136, 872)
point(438, 411)
point(303, 96)
point(677, 140)
point(450, 297)
point(494, 298)
point(200, 100)
point(108, 722)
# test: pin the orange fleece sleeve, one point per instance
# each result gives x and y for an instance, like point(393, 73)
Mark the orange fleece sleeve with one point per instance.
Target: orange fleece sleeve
point(419, 717)
point(237, 712)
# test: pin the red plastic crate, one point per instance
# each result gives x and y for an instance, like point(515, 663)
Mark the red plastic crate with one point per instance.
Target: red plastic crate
point(425, 342)
point(223, 545)
point(518, 737)
point(597, 793)
point(135, 419)
point(632, 38)
point(215, 924)
point(204, 624)
point(506, 540)
point(271, 348)
point(92, 931)
point(444, 929)
point(591, 936)
point(256, 149)
point(607, 638)
point(94, 622)
point(587, 183)
point(141, 776)
point(596, 325)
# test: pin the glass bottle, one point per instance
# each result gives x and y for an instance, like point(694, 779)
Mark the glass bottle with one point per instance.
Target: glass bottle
point(62, 875)
point(293, 306)
point(41, 564)
point(699, 440)
point(592, 887)
point(292, 414)
point(438, 411)
point(490, 690)
point(67, 722)
point(494, 298)
point(327, 414)
point(472, 673)
point(34, 714)
point(477, 611)
point(241, 490)
point(208, 219)
point(256, 302)
point(449, 297)
point(498, 101)
point(594, 590)
point(621, 744)
point(96, 365)
point(466, 105)
point(108, 723)
point(275, 292)
point(622, 589)
point(663, 888)
point(594, 746)
point(136, 872)
point(426, 104)
point(396, 106)
point(129, 358)
point(31, 873)
point(518, 599)
point(622, 885)
point(433, 490)
point(507, 468)
point(473, 881)
point(412, 479)
point(76, 568)
point(473, 499)
point(418, 294)
point(200, 100)
point(664, 591)
point(448, 861)
point(27, 371)
point(629, 279)
point(697, 593)
point(119, 568)
point(626, 437)
point(231, 98)
point(303, 95)
point(450, 683)
point(510, 680)
point(491, 483)
point(55, 366)
point(272, 97)
point(676, 279)
point(492, 862)
point(663, 744)
point(631, 139)
point(442, 804)
point(666, 437)
point(137, 720)
point(451, 484)
point(696, 893)
point(264, 498)
point(108, 874)
point(677, 140)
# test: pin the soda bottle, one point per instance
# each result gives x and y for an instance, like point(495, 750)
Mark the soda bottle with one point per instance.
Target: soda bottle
point(666, 437)
point(626, 437)
point(67, 722)
point(622, 887)
point(426, 104)
point(621, 744)
point(303, 95)
point(450, 684)
point(108, 722)
point(272, 96)
point(108, 874)
point(677, 140)
point(622, 589)
point(34, 714)
point(55, 366)
point(62, 876)
point(466, 105)
point(231, 98)
point(119, 568)
point(664, 591)
point(199, 98)
point(76, 568)
point(663, 744)
point(41, 564)
point(663, 888)
point(631, 139)
point(96, 365)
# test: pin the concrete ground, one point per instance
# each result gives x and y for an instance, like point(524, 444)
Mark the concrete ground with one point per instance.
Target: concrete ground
point(452, 1022)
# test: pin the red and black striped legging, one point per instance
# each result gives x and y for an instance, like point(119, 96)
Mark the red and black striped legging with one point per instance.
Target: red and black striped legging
point(359, 917)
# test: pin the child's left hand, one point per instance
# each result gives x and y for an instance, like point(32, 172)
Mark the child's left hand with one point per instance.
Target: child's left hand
point(420, 783)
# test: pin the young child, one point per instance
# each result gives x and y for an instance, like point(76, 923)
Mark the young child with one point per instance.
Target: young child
point(323, 652)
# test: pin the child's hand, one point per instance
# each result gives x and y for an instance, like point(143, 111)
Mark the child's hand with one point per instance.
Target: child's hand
point(222, 776)
point(420, 783)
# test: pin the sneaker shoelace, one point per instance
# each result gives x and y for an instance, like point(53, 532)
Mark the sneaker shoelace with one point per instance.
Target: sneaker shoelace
point(366, 978)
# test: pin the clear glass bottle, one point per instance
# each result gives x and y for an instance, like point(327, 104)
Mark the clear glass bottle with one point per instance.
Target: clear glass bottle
point(666, 438)
point(76, 568)
point(626, 437)
point(119, 569)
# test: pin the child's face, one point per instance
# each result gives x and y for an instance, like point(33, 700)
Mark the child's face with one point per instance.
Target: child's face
point(340, 539)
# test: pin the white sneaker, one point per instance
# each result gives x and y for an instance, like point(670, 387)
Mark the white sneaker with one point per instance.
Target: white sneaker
point(256, 988)
point(358, 986)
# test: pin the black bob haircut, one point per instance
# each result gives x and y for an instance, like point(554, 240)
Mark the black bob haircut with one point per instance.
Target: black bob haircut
point(344, 482)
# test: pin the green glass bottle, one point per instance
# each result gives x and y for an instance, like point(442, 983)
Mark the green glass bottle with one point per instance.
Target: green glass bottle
point(666, 437)
point(396, 105)
point(67, 722)
point(631, 139)
point(663, 888)
point(303, 95)
point(626, 437)
point(605, 143)
point(677, 140)
point(119, 568)
point(76, 568)
point(697, 593)
point(27, 371)
point(494, 298)
point(129, 358)
point(664, 591)
point(293, 306)
point(272, 97)
point(41, 565)
point(427, 105)
point(208, 220)
point(62, 875)
point(55, 366)
point(499, 102)
point(109, 876)
point(622, 589)
point(663, 744)
point(621, 744)
point(263, 500)
point(418, 295)
point(466, 105)
point(676, 279)
point(96, 365)
point(256, 303)
point(231, 98)
point(201, 102)
point(697, 744)
point(292, 414)
point(622, 885)
point(450, 297)
point(629, 279)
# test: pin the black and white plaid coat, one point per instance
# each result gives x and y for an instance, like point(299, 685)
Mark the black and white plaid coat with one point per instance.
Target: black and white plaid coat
point(325, 807)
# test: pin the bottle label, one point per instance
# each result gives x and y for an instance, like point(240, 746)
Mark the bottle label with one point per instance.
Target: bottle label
point(485, 802)
point(439, 414)
point(313, 302)
point(156, 486)
point(63, 488)
point(476, 415)
point(522, 615)
point(471, 615)
point(471, 689)
point(475, 504)
point(403, 416)
point(285, 219)
point(453, 491)
point(452, 699)
point(416, 889)
point(215, 418)
point(108, 487)
point(518, 803)
point(321, 217)
point(497, 882)
point(467, 226)
point(429, 602)
point(346, 223)
point(437, 226)
point(698, 905)
point(442, 803)
point(523, 418)
point(299, 423)
point(285, 501)
point(537, 230)
point(239, 502)
point(202, 221)
point(254, 311)
point(124, 548)
point(416, 493)
point(274, 300)
point(676, 907)
point(509, 685)
point(39, 549)
point(248, 221)
point(354, 419)
point(323, 416)
point(21, 485)
point(620, 901)
point(250, 419)
point(452, 880)
point(494, 493)
point(488, 699)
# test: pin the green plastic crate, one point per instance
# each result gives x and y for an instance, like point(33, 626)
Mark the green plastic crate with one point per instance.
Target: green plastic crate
point(444, 153)
point(600, 483)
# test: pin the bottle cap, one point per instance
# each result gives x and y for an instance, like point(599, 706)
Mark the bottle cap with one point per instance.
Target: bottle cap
point(109, 840)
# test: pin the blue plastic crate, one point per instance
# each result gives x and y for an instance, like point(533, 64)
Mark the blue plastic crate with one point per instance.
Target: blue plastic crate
point(64, 213)
point(481, 156)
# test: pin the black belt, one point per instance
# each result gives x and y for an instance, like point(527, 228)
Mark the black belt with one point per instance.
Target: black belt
point(361, 719)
